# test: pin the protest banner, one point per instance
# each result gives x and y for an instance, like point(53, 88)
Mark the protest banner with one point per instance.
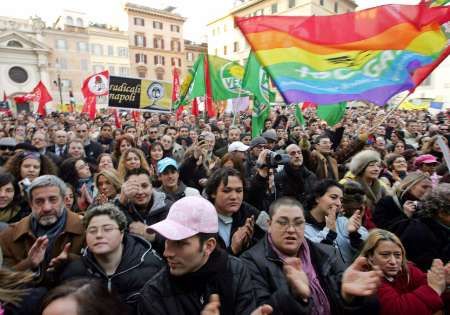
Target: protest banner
point(140, 94)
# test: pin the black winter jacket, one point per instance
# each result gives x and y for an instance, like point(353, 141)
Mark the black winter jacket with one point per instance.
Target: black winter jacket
point(389, 215)
point(245, 211)
point(160, 296)
point(426, 239)
point(139, 264)
point(294, 183)
point(271, 286)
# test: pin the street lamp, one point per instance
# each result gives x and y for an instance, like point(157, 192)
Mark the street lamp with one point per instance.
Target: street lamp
point(57, 83)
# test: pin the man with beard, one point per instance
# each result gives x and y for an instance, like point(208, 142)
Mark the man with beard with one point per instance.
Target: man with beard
point(106, 138)
point(197, 268)
point(44, 239)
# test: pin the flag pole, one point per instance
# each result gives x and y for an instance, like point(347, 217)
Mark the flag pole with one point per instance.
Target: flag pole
point(390, 112)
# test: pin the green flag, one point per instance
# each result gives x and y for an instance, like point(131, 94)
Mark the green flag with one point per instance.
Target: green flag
point(436, 3)
point(226, 78)
point(332, 113)
point(193, 84)
point(299, 114)
point(257, 82)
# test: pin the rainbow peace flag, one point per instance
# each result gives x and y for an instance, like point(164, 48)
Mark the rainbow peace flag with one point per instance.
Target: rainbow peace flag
point(367, 55)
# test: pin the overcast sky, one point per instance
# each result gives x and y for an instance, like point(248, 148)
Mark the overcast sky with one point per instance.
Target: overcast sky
point(198, 12)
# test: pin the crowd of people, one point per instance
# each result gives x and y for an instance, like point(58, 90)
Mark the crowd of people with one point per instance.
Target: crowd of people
point(159, 214)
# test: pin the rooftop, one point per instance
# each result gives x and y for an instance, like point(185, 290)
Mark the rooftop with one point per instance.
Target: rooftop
point(167, 12)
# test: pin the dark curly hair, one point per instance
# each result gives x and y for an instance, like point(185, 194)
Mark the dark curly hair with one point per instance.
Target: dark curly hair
point(68, 173)
point(319, 190)
point(14, 164)
point(116, 151)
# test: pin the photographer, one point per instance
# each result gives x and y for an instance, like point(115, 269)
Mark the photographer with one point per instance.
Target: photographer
point(393, 213)
point(294, 180)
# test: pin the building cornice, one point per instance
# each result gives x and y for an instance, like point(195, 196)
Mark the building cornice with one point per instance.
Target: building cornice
point(153, 12)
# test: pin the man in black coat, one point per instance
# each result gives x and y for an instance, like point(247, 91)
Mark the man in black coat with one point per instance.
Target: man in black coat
point(296, 276)
point(93, 149)
point(294, 180)
point(196, 268)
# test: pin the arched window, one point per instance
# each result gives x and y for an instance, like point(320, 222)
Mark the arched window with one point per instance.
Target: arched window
point(69, 20)
point(80, 22)
point(14, 43)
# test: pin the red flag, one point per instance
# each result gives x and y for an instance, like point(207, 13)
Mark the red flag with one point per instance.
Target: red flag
point(422, 73)
point(136, 116)
point(117, 119)
point(194, 109)
point(306, 105)
point(41, 95)
point(176, 91)
point(209, 106)
point(93, 86)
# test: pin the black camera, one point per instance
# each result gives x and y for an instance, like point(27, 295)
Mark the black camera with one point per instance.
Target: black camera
point(274, 159)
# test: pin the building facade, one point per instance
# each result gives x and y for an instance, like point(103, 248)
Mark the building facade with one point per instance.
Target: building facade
point(225, 39)
point(155, 42)
point(81, 48)
point(61, 55)
point(24, 56)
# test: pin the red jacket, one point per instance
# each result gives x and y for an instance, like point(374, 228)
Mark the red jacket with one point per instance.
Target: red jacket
point(411, 298)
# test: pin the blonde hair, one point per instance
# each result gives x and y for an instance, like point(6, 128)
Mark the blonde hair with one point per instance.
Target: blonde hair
point(12, 285)
point(112, 176)
point(409, 182)
point(122, 169)
point(373, 240)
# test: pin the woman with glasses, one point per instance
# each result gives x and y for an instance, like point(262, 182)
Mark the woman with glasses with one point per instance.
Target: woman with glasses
point(121, 261)
point(297, 276)
point(404, 289)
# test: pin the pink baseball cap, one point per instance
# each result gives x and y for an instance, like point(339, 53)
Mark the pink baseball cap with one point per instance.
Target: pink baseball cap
point(188, 217)
point(425, 159)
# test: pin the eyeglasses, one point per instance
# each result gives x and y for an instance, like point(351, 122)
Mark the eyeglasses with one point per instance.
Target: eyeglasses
point(6, 147)
point(285, 224)
point(294, 153)
point(105, 229)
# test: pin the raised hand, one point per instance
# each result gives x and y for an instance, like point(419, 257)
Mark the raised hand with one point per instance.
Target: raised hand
point(129, 189)
point(436, 277)
point(36, 254)
point(409, 207)
point(263, 310)
point(330, 219)
point(60, 259)
point(213, 307)
point(241, 238)
point(358, 281)
point(296, 277)
point(354, 222)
